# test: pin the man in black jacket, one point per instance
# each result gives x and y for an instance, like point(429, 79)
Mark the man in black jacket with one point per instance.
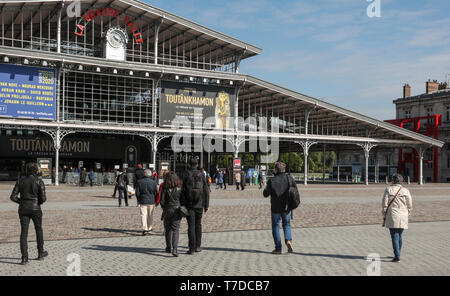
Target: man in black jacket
point(122, 183)
point(277, 188)
point(32, 195)
point(146, 192)
point(195, 196)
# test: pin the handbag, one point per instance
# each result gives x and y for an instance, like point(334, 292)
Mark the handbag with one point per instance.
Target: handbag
point(390, 203)
point(183, 211)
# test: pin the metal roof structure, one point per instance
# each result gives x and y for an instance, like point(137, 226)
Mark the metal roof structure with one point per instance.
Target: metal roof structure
point(255, 95)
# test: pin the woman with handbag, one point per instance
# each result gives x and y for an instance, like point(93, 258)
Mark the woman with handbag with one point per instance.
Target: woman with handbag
point(396, 208)
point(170, 204)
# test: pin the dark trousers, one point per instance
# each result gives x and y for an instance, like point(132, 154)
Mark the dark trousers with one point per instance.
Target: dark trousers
point(195, 228)
point(172, 230)
point(125, 193)
point(25, 217)
point(115, 190)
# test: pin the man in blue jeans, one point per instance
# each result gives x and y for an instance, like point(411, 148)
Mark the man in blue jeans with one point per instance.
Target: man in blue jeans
point(277, 188)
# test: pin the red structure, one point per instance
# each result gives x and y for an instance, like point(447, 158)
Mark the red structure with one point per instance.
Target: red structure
point(432, 130)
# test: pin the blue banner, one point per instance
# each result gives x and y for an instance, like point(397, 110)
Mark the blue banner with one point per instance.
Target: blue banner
point(27, 92)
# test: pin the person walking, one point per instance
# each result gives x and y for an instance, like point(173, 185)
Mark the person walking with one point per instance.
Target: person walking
point(122, 183)
point(170, 203)
point(195, 196)
point(146, 192)
point(139, 174)
point(83, 177)
point(242, 180)
point(219, 180)
point(116, 174)
point(260, 179)
point(396, 209)
point(278, 189)
point(225, 179)
point(91, 176)
point(237, 179)
point(29, 193)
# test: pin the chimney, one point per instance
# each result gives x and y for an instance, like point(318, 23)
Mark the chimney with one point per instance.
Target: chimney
point(432, 86)
point(406, 91)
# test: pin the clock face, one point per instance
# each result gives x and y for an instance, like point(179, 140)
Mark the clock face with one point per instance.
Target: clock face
point(116, 38)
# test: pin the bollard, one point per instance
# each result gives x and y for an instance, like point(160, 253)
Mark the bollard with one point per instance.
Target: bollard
point(409, 180)
point(386, 180)
point(346, 179)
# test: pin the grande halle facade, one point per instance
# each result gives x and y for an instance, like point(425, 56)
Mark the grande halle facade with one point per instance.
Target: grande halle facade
point(106, 85)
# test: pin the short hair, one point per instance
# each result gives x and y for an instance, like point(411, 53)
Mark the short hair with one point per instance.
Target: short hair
point(193, 162)
point(397, 179)
point(280, 167)
point(148, 173)
point(31, 169)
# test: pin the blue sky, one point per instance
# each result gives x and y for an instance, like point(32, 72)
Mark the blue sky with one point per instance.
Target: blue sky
point(331, 49)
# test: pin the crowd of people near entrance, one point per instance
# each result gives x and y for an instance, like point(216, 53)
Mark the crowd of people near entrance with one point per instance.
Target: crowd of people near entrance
point(187, 195)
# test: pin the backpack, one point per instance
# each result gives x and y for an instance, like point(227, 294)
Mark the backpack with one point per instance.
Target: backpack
point(293, 196)
point(194, 185)
point(121, 181)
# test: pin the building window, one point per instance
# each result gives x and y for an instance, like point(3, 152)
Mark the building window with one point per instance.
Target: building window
point(430, 113)
point(407, 113)
point(430, 160)
point(448, 114)
point(448, 160)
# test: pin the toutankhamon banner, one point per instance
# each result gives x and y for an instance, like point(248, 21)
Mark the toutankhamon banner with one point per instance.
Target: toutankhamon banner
point(27, 92)
point(210, 106)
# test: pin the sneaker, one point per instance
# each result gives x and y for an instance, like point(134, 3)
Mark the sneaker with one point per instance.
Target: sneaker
point(276, 252)
point(198, 250)
point(42, 255)
point(190, 252)
point(144, 233)
point(175, 253)
point(289, 246)
point(24, 261)
point(396, 259)
point(168, 250)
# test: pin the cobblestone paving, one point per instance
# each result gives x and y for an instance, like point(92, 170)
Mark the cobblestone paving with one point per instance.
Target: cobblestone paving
point(317, 251)
point(99, 216)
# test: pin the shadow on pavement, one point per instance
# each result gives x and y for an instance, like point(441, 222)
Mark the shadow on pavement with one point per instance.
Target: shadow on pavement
point(111, 230)
point(149, 251)
point(332, 256)
point(235, 250)
point(9, 262)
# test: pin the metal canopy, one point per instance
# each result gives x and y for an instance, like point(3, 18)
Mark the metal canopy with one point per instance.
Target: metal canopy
point(146, 17)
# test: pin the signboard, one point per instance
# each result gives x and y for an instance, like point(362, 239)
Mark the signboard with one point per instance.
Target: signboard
point(45, 170)
point(209, 105)
point(117, 167)
point(98, 165)
point(27, 92)
point(80, 164)
point(236, 163)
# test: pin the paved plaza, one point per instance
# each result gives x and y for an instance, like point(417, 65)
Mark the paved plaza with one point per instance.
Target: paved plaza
point(334, 230)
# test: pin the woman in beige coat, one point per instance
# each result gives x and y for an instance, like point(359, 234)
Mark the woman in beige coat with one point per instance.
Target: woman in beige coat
point(396, 208)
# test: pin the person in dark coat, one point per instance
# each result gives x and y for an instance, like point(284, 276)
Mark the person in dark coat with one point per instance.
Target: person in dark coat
point(83, 176)
point(29, 193)
point(170, 202)
point(195, 196)
point(277, 188)
point(146, 192)
point(139, 174)
point(122, 183)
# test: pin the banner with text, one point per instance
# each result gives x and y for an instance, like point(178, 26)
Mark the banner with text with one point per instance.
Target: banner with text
point(197, 103)
point(27, 92)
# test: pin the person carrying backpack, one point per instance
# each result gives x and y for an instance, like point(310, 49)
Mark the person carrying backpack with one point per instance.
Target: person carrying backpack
point(122, 183)
point(284, 197)
point(195, 196)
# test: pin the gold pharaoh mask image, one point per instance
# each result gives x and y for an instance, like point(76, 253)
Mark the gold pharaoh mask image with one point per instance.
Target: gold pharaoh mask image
point(222, 110)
